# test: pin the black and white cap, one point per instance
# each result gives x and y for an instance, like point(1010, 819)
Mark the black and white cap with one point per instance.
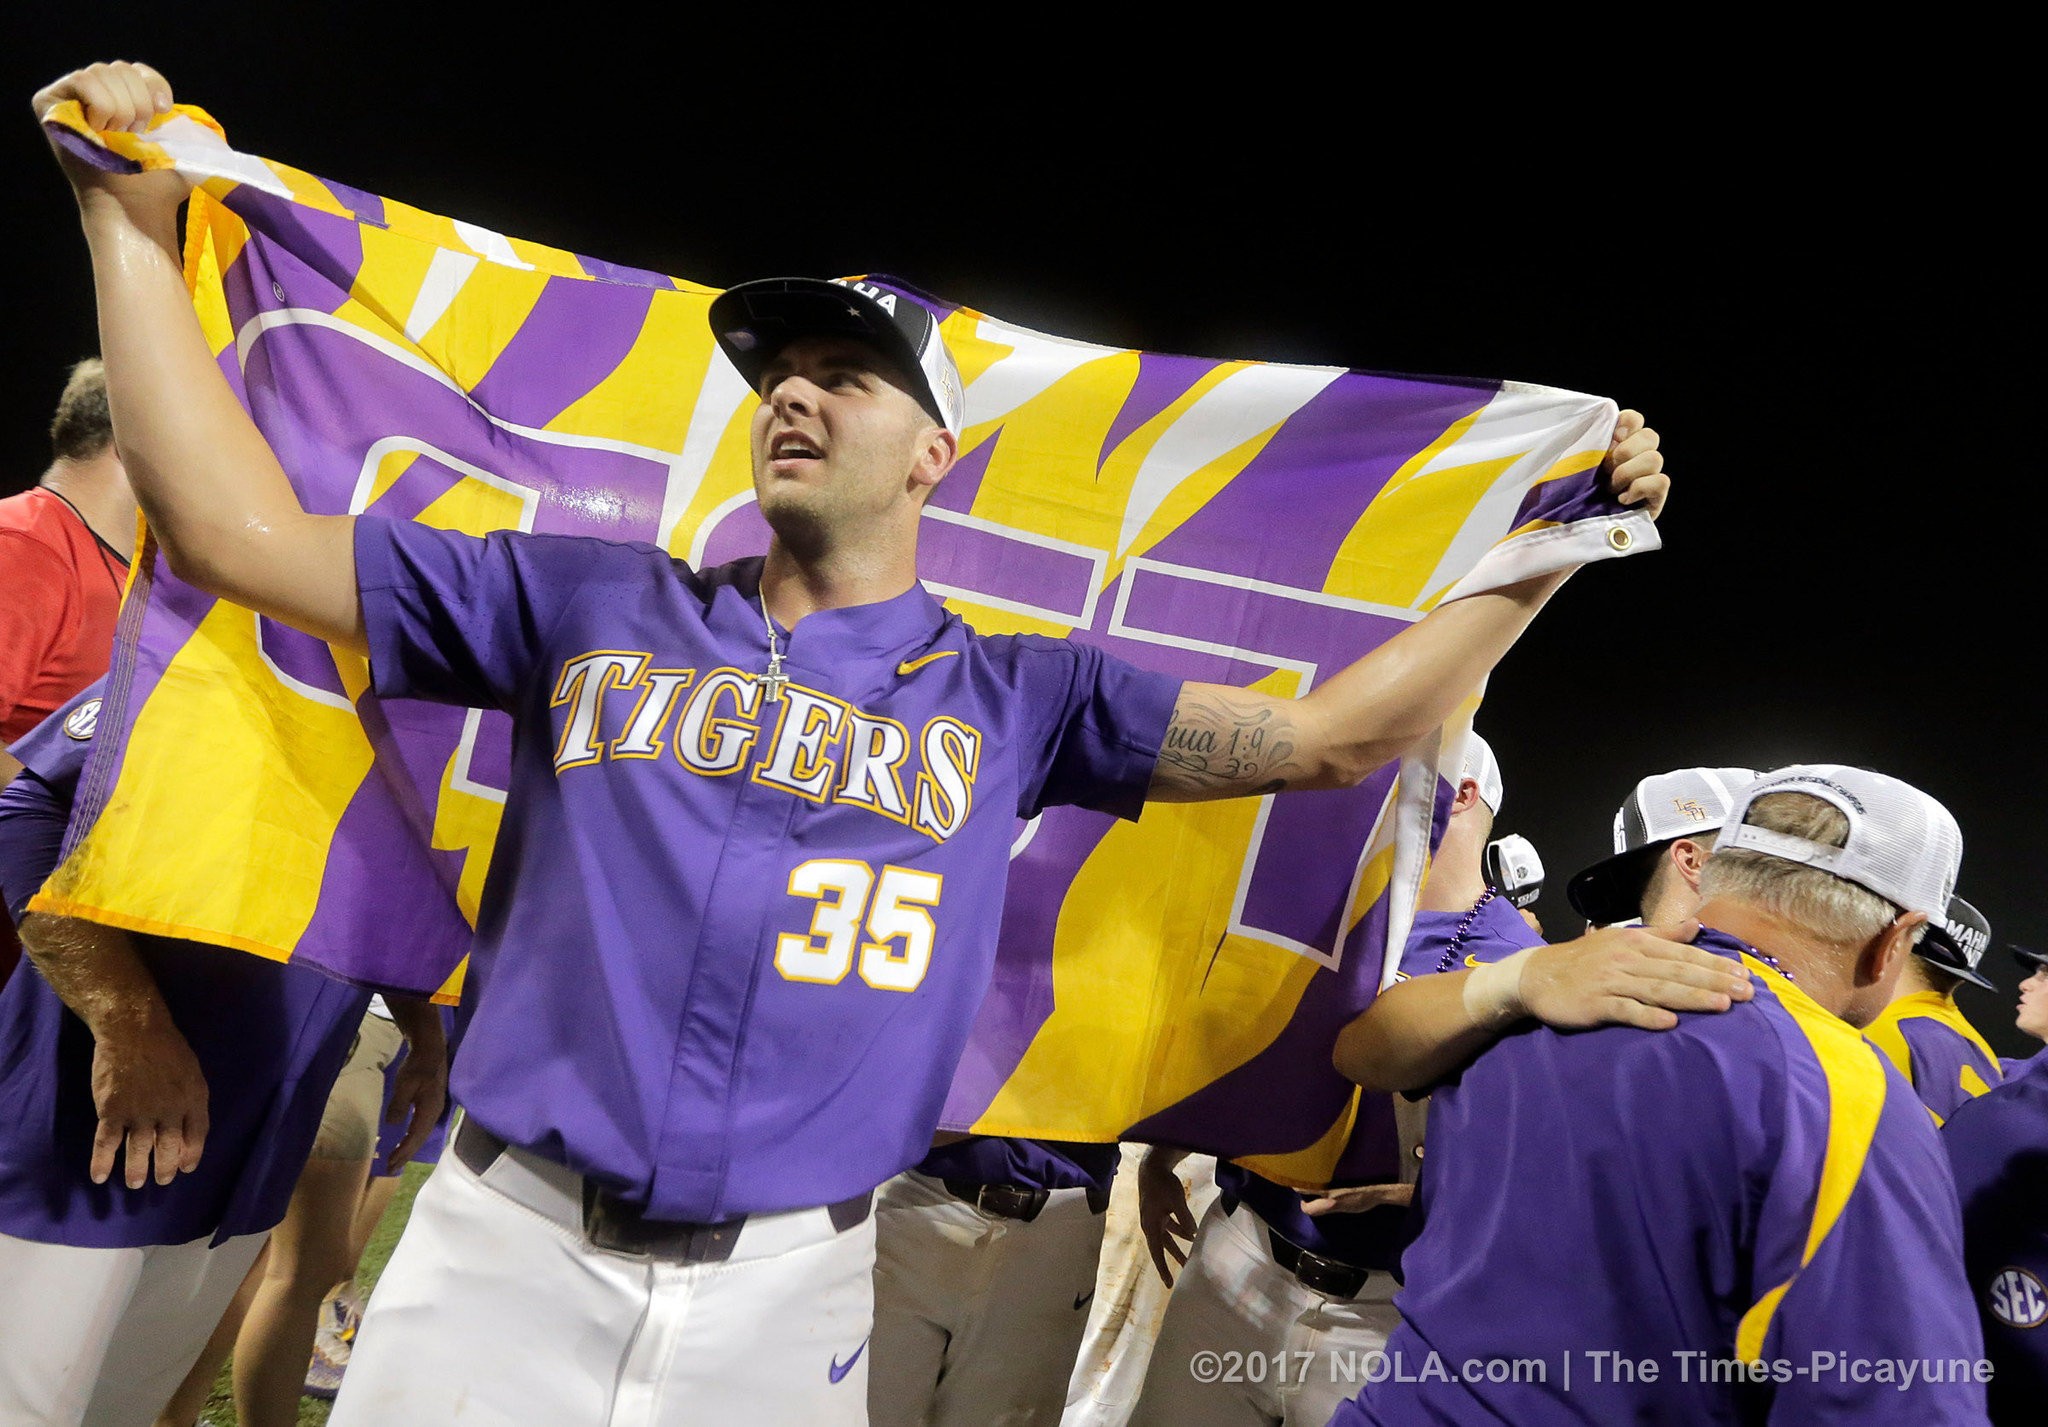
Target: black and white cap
point(2030, 961)
point(1902, 844)
point(756, 320)
point(1956, 941)
point(1663, 808)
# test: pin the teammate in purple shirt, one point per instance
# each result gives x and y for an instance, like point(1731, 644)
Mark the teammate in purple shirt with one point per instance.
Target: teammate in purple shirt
point(1924, 1032)
point(1741, 1218)
point(1439, 1012)
point(1305, 1281)
point(1997, 1145)
point(113, 1284)
point(743, 903)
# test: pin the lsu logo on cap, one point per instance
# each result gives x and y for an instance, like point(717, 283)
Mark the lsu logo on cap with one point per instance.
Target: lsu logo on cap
point(1690, 808)
point(84, 721)
point(2017, 1299)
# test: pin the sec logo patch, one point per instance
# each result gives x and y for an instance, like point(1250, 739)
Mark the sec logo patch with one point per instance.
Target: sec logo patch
point(2017, 1299)
point(84, 721)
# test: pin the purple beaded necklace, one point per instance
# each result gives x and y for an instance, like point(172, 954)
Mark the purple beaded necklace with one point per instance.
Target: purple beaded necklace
point(1450, 956)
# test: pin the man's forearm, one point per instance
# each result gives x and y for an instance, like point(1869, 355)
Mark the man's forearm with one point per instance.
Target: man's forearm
point(1226, 742)
point(1378, 708)
point(420, 1023)
point(1413, 1034)
point(95, 971)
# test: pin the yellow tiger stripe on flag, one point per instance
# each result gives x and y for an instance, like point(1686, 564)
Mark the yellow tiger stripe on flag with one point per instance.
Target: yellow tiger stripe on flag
point(269, 770)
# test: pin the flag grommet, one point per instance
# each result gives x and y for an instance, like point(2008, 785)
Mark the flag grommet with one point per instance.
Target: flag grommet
point(1619, 537)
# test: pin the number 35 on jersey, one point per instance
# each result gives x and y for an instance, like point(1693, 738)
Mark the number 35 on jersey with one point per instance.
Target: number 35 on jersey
point(879, 920)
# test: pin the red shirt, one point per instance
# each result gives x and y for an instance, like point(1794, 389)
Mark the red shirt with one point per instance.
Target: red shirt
point(60, 589)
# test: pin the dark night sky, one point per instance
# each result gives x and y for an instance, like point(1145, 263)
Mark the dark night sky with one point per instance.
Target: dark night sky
point(1807, 297)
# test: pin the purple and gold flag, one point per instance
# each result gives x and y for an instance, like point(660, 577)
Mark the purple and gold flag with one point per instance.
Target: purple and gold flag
point(1179, 978)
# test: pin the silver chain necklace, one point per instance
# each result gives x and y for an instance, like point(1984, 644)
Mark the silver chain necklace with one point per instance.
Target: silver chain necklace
point(775, 681)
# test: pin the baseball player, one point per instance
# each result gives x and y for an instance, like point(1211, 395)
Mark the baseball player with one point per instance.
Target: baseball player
point(1924, 1032)
point(1307, 1281)
point(1434, 1019)
point(1705, 1224)
point(744, 902)
point(1994, 1143)
point(985, 1259)
point(113, 1282)
point(2032, 1016)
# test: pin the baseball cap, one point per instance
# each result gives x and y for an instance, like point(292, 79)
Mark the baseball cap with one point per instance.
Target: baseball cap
point(1484, 769)
point(754, 321)
point(1902, 844)
point(1662, 808)
point(1955, 941)
point(2030, 961)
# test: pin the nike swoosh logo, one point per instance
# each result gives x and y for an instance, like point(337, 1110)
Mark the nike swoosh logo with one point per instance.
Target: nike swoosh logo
point(1082, 1301)
point(840, 1370)
point(911, 666)
point(1472, 958)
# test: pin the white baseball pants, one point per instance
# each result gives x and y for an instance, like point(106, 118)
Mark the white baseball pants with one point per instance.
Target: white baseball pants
point(1130, 1301)
point(495, 1312)
point(1246, 1344)
point(104, 1336)
point(977, 1317)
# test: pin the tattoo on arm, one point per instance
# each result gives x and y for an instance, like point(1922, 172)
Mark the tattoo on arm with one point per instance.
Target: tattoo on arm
point(1225, 743)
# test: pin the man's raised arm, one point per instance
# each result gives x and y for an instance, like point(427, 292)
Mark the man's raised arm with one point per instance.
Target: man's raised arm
point(218, 503)
point(1227, 742)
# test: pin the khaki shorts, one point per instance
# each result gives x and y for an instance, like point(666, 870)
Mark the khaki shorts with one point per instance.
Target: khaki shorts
point(348, 1129)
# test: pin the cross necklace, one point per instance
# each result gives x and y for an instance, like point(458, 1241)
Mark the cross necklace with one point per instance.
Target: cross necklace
point(775, 681)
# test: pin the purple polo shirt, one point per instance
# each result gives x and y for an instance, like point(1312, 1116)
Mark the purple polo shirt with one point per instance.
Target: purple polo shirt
point(730, 948)
point(1495, 932)
point(1998, 1147)
point(1927, 1037)
point(1674, 1198)
point(270, 1039)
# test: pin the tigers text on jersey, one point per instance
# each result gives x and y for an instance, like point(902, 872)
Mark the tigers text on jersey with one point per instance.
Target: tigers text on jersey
point(732, 943)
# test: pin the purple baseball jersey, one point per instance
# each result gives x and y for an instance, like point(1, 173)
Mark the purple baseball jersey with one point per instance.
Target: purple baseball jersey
point(1746, 1218)
point(1936, 1048)
point(730, 946)
point(1495, 932)
point(1027, 1164)
point(270, 1039)
point(1998, 1147)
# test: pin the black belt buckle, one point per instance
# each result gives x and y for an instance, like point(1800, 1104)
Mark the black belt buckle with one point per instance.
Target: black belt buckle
point(1328, 1277)
point(1005, 1201)
point(611, 1224)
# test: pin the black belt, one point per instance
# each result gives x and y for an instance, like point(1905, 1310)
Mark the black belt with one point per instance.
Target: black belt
point(610, 1223)
point(1014, 1201)
point(1330, 1277)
